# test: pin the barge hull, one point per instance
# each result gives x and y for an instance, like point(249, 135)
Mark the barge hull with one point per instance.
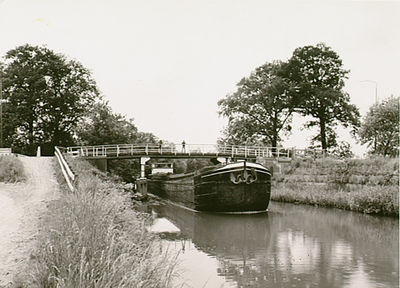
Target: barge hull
point(232, 188)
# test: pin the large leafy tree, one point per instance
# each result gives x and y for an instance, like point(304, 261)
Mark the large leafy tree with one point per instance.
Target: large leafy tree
point(380, 128)
point(261, 108)
point(318, 75)
point(103, 126)
point(46, 93)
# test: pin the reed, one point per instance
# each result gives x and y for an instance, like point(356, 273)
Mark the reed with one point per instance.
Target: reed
point(92, 238)
point(11, 169)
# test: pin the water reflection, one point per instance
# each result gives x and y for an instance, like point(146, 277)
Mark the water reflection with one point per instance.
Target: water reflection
point(290, 246)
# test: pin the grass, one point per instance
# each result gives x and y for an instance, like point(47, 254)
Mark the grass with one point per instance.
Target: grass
point(365, 185)
point(11, 169)
point(92, 238)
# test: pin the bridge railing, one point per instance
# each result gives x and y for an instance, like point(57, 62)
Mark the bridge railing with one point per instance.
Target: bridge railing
point(309, 153)
point(69, 176)
point(5, 151)
point(179, 149)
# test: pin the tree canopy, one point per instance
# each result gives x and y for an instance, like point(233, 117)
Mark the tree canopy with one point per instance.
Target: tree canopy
point(310, 83)
point(317, 73)
point(47, 94)
point(380, 128)
point(102, 126)
point(261, 108)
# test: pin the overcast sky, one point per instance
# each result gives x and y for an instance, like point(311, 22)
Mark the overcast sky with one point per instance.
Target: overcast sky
point(167, 63)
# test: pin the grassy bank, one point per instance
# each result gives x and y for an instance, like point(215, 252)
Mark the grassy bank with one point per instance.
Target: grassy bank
point(92, 238)
point(11, 169)
point(364, 185)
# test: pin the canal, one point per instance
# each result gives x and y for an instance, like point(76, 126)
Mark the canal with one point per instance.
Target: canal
point(288, 246)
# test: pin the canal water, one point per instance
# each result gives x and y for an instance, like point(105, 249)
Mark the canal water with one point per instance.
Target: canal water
point(288, 246)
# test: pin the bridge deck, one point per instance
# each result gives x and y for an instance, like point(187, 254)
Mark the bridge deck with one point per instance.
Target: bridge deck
point(177, 151)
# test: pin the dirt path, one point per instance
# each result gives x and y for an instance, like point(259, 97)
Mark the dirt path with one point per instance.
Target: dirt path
point(20, 207)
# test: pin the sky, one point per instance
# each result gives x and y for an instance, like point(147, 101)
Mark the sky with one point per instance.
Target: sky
point(167, 63)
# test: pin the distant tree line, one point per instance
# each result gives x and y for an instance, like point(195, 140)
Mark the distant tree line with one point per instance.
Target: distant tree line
point(309, 84)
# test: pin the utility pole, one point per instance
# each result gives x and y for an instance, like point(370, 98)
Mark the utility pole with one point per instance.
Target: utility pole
point(376, 89)
point(376, 103)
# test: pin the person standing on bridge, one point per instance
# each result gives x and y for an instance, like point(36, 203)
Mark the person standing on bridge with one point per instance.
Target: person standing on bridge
point(183, 146)
point(160, 146)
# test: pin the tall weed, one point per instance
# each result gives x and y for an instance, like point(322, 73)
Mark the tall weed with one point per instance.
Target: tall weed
point(382, 200)
point(92, 238)
point(364, 185)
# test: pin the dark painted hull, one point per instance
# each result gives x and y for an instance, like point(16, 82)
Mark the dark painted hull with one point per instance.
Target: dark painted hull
point(236, 187)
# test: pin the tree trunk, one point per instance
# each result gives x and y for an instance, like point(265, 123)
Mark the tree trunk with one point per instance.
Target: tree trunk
point(323, 133)
point(275, 136)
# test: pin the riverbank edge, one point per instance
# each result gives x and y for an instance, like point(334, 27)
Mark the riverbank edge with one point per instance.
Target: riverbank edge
point(93, 238)
point(334, 184)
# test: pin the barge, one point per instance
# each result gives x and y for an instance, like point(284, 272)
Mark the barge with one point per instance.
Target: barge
point(234, 187)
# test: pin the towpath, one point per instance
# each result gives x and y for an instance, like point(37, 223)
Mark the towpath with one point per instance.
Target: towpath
point(21, 205)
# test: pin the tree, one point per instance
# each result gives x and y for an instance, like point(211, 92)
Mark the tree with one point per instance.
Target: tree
point(47, 94)
point(101, 126)
point(380, 128)
point(342, 150)
point(261, 108)
point(317, 73)
point(146, 137)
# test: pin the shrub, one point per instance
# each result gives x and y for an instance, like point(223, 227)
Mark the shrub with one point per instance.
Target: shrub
point(11, 169)
point(376, 200)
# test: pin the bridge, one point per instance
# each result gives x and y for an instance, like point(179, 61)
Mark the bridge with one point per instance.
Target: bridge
point(130, 151)
point(218, 152)
point(146, 151)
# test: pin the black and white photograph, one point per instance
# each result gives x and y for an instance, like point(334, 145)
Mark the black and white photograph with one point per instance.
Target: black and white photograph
point(199, 143)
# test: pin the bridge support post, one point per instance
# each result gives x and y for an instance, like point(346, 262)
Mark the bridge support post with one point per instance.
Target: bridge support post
point(141, 186)
point(293, 153)
point(143, 161)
